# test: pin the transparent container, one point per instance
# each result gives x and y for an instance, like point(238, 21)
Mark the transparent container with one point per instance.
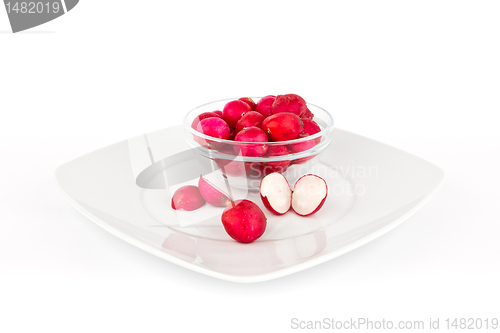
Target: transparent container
point(247, 172)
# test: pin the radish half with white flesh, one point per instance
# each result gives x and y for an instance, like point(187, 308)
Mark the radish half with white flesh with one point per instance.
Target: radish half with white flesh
point(309, 195)
point(276, 193)
point(212, 194)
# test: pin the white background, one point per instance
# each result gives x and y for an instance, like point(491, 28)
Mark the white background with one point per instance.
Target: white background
point(423, 76)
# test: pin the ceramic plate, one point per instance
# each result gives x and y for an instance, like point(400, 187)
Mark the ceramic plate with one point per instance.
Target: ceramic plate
point(126, 188)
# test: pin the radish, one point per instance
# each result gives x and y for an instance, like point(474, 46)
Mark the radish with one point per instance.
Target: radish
point(307, 115)
point(302, 146)
point(249, 101)
point(231, 168)
point(187, 198)
point(282, 126)
point(311, 127)
point(247, 137)
point(289, 103)
point(308, 196)
point(250, 119)
point(264, 105)
point(212, 194)
point(275, 193)
point(214, 127)
point(244, 221)
point(233, 111)
point(204, 115)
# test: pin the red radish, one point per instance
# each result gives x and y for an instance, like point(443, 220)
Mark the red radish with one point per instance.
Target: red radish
point(275, 193)
point(233, 111)
point(289, 103)
point(203, 116)
point(219, 113)
point(249, 101)
point(264, 105)
point(250, 119)
point(212, 194)
point(214, 127)
point(231, 168)
point(302, 146)
point(309, 195)
point(251, 134)
point(307, 115)
point(244, 221)
point(277, 150)
point(311, 127)
point(276, 166)
point(282, 126)
point(187, 198)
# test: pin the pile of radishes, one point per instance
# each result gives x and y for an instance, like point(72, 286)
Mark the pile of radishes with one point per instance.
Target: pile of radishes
point(253, 126)
point(243, 220)
point(272, 119)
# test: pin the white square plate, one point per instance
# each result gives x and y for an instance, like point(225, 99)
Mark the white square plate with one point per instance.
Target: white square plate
point(125, 188)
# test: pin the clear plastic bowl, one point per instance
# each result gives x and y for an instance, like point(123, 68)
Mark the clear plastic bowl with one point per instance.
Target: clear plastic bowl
point(247, 172)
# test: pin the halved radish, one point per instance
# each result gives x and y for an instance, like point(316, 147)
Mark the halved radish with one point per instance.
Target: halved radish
point(212, 194)
point(187, 198)
point(276, 193)
point(309, 195)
